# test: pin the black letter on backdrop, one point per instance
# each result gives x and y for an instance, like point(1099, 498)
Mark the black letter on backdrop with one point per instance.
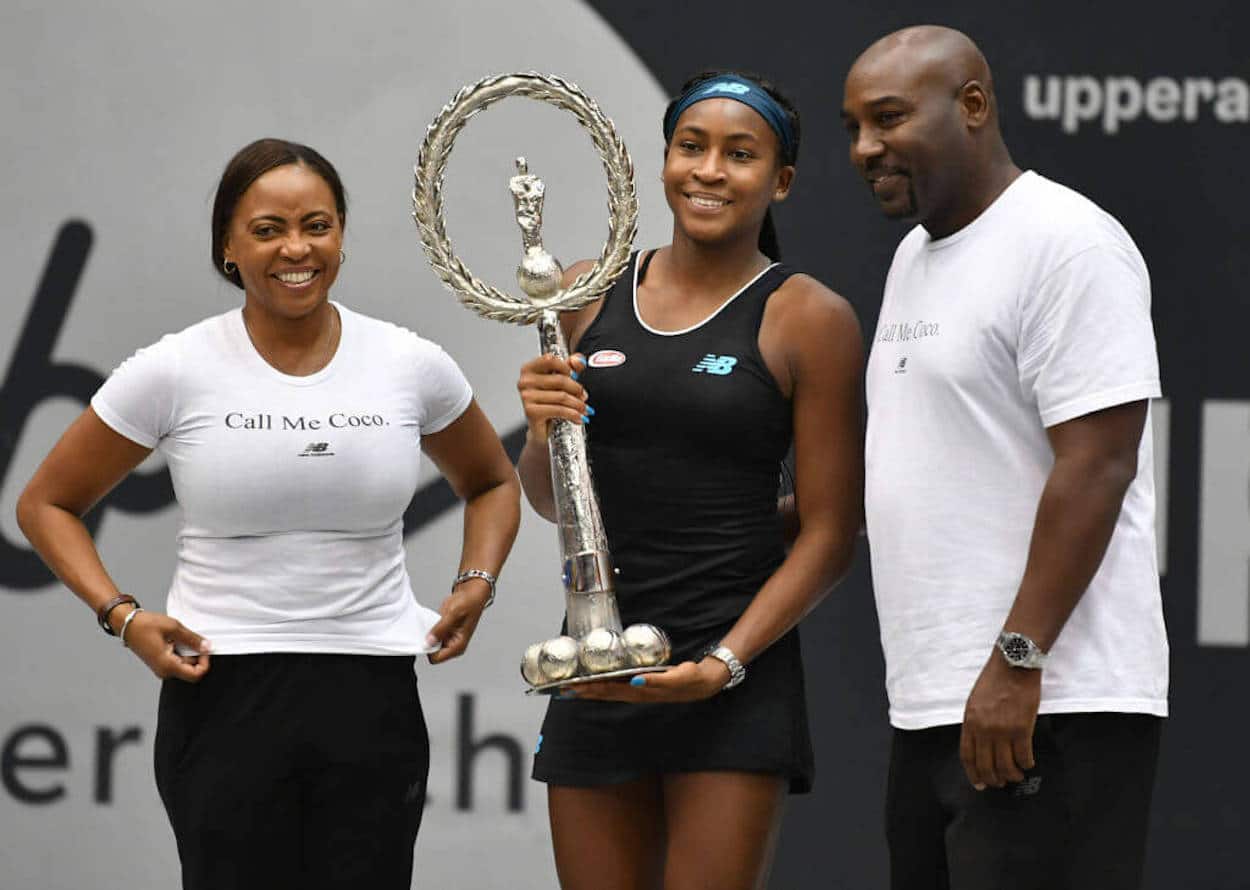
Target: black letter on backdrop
point(11, 761)
point(106, 745)
point(32, 377)
point(467, 751)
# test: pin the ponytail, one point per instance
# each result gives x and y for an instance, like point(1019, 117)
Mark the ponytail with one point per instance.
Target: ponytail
point(769, 246)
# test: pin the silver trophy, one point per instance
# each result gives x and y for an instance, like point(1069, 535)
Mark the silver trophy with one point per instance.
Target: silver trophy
point(596, 646)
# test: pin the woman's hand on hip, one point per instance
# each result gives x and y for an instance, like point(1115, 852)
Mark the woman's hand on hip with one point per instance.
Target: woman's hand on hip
point(460, 613)
point(155, 638)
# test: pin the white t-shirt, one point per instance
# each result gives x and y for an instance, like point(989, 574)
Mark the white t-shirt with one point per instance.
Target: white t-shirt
point(292, 489)
point(1035, 313)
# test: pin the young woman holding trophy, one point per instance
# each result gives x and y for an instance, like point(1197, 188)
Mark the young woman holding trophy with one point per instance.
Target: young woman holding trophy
point(694, 375)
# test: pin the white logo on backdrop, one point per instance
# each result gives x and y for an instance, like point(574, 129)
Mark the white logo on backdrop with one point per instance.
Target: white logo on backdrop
point(121, 121)
point(1074, 100)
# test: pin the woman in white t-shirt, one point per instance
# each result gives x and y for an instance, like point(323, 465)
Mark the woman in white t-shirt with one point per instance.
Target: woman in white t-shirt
point(290, 747)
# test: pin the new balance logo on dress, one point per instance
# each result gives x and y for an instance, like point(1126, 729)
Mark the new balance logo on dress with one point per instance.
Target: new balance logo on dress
point(715, 364)
point(1027, 788)
point(317, 449)
point(416, 791)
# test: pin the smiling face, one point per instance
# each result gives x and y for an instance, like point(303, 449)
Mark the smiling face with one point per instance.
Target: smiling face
point(722, 170)
point(909, 135)
point(285, 236)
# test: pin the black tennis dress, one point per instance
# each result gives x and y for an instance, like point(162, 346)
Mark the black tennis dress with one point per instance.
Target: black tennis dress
point(685, 447)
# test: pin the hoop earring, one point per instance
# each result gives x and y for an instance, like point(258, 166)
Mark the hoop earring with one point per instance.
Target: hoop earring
point(229, 268)
point(342, 256)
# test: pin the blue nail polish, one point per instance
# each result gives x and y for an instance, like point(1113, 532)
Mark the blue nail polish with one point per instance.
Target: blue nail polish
point(574, 375)
point(585, 418)
point(590, 410)
point(638, 681)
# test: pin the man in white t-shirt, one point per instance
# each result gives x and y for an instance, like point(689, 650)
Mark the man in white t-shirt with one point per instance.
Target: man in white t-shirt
point(1009, 495)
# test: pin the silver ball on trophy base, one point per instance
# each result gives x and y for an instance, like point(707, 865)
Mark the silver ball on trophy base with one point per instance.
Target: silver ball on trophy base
point(531, 666)
point(646, 645)
point(557, 659)
point(603, 651)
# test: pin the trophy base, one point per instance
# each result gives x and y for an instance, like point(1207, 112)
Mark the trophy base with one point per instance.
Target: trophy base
point(552, 688)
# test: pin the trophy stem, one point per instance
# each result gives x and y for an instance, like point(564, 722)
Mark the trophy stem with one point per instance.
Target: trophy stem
point(590, 598)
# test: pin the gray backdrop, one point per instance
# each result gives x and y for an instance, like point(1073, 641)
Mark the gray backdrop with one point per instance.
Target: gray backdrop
point(117, 124)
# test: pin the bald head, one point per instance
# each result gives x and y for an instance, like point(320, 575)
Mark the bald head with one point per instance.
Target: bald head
point(927, 57)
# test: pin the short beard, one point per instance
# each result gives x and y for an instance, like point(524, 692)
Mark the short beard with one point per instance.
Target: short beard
point(910, 210)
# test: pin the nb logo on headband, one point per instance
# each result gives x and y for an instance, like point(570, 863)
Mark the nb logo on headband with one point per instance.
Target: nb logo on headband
point(725, 86)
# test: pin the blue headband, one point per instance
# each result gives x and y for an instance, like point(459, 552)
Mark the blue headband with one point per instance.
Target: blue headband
point(749, 93)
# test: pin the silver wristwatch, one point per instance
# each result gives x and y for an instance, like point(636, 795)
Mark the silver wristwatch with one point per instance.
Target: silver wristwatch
point(1020, 651)
point(737, 673)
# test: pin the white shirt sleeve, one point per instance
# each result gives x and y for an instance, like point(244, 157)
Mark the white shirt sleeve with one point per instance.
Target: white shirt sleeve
point(445, 393)
point(138, 398)
point(1086, 339)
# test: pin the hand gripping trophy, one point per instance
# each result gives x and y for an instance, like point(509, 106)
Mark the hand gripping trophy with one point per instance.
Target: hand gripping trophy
point(595, 647)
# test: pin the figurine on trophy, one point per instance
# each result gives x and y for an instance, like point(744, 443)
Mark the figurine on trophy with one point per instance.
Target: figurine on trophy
point(540, 273)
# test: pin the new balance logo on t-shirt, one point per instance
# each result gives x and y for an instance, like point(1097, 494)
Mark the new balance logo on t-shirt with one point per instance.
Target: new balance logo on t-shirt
point(715, 364)
point(317, 449)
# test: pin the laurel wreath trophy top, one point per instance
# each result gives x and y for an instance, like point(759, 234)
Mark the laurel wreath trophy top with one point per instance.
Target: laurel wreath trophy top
point(427, 197)
point(596, 646)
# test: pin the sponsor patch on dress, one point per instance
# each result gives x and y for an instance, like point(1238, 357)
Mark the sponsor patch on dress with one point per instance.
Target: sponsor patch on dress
point(606, 358)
